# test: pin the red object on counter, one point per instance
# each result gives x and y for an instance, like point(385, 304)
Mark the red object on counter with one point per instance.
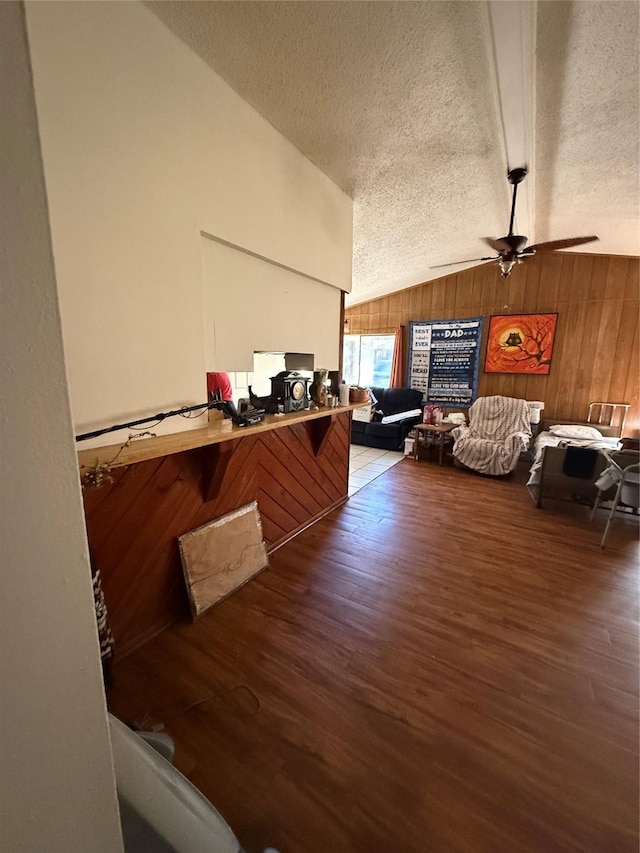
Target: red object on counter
point(219, 382)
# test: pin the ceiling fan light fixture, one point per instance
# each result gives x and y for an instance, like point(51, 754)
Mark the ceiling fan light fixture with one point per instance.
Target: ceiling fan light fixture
point(505, 267)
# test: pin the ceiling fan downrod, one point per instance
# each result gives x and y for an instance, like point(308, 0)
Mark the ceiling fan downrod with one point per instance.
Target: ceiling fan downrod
point(515, 177)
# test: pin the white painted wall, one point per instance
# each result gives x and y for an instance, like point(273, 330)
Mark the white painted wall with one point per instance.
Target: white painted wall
point(145, 147)
point(281, 311)
point(58, 790)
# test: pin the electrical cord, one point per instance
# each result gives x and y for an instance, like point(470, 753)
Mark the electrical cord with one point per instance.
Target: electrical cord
point(183, 411)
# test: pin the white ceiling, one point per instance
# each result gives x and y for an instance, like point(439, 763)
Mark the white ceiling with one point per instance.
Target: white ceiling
point(417, 108)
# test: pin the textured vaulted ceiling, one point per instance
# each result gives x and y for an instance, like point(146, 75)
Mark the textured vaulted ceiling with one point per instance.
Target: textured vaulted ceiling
point(403, 105)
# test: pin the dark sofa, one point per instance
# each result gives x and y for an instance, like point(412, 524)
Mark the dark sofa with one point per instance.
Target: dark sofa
point(391, 401)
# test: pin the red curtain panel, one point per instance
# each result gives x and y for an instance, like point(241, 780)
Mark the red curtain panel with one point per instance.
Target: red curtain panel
point(397, 378)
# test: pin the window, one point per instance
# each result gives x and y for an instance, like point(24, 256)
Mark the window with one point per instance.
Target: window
point(367, 359)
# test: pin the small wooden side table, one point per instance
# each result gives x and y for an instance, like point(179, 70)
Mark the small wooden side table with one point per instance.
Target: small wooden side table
point(432, 435)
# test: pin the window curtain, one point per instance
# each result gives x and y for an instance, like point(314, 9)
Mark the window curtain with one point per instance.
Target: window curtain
point(397, 377)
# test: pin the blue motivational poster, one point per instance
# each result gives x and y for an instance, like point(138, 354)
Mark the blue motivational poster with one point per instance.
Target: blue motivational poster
point(444, 360)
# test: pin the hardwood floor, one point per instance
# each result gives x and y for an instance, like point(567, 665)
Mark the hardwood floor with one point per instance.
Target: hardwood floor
point(436, 666)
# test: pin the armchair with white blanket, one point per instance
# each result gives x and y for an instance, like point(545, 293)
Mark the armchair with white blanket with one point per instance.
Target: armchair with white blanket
point(498, 432)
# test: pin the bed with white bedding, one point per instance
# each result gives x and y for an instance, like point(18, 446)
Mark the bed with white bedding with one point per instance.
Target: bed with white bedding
point(568, 459)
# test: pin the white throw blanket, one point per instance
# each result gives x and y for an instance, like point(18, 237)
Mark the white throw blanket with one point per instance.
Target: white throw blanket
point(401, 416)
point(498, 432)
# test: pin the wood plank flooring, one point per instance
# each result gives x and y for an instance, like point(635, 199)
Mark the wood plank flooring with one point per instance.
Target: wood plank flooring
point(435, 666)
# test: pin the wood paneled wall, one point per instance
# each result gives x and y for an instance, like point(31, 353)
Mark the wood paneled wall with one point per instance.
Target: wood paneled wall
point(596, 354)
point(296, 474)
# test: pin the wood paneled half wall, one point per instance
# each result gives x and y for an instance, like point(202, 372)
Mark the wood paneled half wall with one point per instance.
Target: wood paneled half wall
point(596, 353)
point(296, 473)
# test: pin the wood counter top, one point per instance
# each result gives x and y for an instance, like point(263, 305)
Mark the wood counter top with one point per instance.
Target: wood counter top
point(143, 449)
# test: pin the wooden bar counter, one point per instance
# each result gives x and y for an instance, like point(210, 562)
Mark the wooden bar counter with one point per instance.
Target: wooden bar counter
point(295, 466)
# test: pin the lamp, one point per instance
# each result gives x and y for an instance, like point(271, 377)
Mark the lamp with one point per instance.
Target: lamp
point(535, 407)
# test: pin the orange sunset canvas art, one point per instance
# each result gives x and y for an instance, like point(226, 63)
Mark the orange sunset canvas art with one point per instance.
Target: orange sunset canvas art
point(520, 343)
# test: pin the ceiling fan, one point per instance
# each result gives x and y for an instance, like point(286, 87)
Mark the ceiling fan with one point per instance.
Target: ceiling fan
point(513, 248)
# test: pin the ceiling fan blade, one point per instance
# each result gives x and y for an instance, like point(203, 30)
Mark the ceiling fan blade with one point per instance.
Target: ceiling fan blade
point(562, 244)
point(498, 246)
point(468, 261)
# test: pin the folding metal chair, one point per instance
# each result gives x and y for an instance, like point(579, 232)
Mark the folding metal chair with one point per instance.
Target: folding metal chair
point(627, 477)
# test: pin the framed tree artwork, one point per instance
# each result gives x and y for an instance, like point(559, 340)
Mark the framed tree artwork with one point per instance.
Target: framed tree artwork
point(520, 343)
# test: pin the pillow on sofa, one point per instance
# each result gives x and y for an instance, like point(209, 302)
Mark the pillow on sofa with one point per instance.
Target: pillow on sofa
point(364, 414)
point(392, 419)
point(575, 431)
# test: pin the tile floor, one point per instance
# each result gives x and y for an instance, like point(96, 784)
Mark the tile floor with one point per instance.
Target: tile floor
point(367, 463)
